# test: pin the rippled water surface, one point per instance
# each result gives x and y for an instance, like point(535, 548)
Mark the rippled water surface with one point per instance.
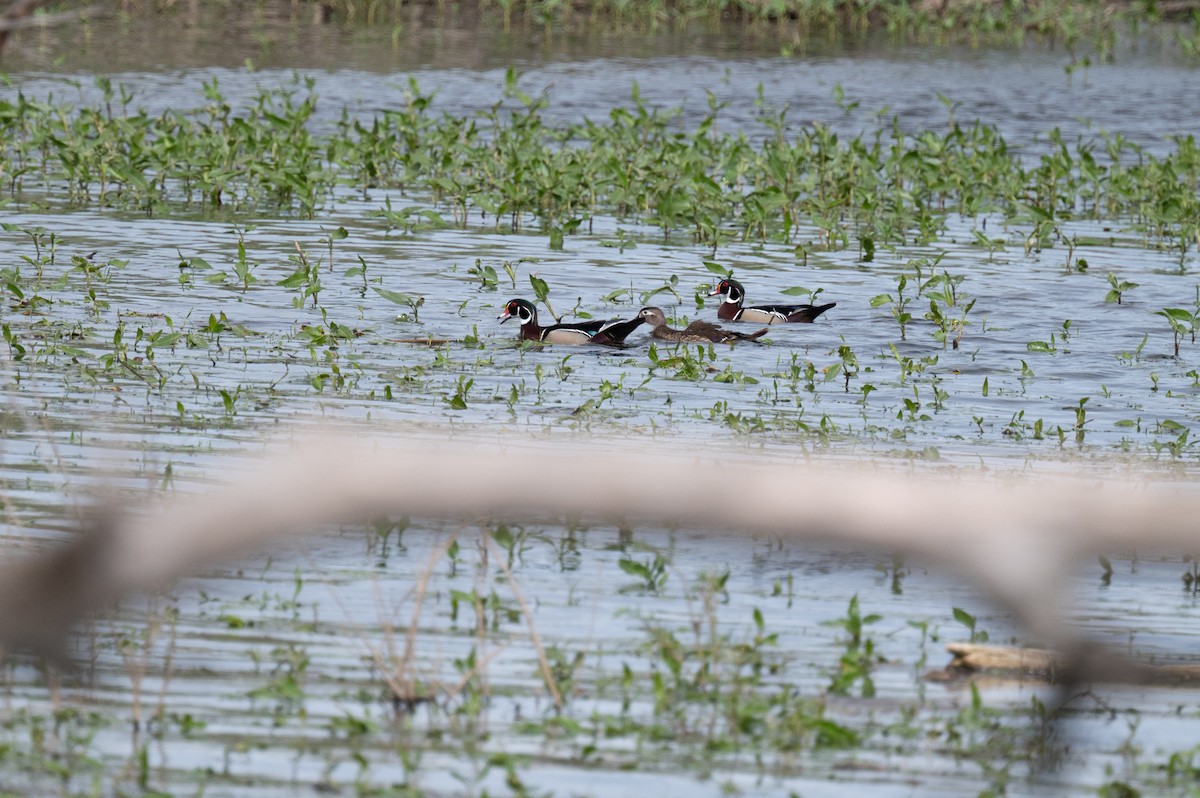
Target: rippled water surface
point(273, 677)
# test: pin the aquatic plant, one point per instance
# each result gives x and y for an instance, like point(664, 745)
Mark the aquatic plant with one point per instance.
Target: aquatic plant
point(1119, 287)
point(860, 658)
point(1183, 324)
point(880, 189)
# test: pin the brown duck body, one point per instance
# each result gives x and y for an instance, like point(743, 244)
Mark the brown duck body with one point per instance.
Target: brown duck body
point(733, 295)
point(608, 333)
point(698, 332)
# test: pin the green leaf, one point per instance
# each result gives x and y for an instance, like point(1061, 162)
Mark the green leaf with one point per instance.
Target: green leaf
point(613, 296)
point(797, 291)
point(463, 597)
point(880, 299)
point(718, 269)
point(833, 735)
point(540, 288)
point(868, 247)
point(295, 279)
point(166, 339)
point(964, 617)
point(634, 568)
point(394, 296)
point(1177, 315)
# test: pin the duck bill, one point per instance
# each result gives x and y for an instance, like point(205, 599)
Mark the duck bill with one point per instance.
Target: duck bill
point(716, 291)
point(505, 316)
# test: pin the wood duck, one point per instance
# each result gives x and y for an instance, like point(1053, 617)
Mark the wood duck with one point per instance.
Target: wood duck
point(609, 333)
point(732, 295)
point(698, 332)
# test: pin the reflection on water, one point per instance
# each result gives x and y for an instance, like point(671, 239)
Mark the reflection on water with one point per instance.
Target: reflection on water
point(1148, 95)
point(254, 363)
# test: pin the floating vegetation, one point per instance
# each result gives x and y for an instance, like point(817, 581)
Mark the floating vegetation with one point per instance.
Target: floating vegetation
point(878, 191)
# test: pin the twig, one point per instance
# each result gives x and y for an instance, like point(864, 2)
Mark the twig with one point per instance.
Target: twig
point(534, 637)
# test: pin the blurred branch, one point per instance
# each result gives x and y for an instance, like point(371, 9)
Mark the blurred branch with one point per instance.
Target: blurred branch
point(1015, 540)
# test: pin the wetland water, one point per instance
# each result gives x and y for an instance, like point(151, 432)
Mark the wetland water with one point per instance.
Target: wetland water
point(691, 666)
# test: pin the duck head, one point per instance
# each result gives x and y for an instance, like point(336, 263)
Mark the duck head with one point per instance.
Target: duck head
point(730, 290)
point(524, 311)
point(653, 316)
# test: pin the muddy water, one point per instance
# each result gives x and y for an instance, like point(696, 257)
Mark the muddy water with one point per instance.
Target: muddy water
point(270, 680)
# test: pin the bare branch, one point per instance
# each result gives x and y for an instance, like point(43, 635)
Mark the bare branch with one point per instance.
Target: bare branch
point(1014, 540)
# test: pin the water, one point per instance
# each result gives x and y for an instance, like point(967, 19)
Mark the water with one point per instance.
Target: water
point(272, 676)
point(1147, 92)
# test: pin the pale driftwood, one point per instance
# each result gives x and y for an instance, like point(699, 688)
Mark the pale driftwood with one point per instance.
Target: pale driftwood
point(1050, 665)
point(978, 657)
point(1015, 540)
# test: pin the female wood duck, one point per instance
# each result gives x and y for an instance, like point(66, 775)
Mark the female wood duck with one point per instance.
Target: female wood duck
point(698, 332)
point(731, 308)
point(609, 333)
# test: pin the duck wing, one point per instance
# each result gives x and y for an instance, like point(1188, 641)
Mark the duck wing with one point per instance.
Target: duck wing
point(731, 335)
point(615, 331)
point(707, 330)
point(579, 332)
point(793, 313)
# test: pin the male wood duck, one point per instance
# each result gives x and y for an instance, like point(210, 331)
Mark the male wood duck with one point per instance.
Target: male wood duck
point(698, 332)
point(609, 333)
point(732, 295)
